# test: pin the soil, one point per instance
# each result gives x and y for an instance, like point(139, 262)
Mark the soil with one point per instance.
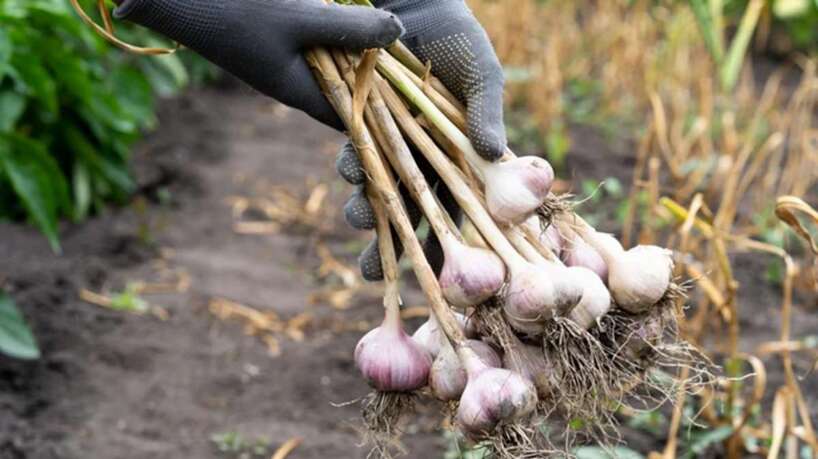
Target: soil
point(115, 384)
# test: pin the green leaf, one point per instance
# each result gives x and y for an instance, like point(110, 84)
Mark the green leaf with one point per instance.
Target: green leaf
point(37, 181)
point(595, 452)
point(701, 441)
point(16, 339)
point(129, 301)
point(115, 174)
point(5, 52)
point(12, 106)
point(32, 76)
point(82, 191)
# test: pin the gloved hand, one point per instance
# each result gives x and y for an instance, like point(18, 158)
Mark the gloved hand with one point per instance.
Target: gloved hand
point(446, 34)
point(359, 214)
point(262, 41)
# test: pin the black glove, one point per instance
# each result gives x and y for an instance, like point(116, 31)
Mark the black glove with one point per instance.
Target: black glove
point(359, 213)
point(447, 35)
point(262, 41)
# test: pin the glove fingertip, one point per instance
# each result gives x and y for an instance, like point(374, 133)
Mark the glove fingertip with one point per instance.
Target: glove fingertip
point(490, 142)
point(358, 212)
point(349, 166)
point(386, 28)
point(370, 263)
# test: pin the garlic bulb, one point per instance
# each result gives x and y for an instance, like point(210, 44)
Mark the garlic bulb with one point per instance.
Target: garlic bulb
point(637, 278)
point(569, 291)
point(641, 277)
point(530, 294)
point(596, 300)
point(470, 275)
point(550, 238)
point(640, 344)
point(577, 252)
point(447, 378)
point(431, 337)
point(492, 395)
point(516, 188)
point(390, 360)
point(529, 362)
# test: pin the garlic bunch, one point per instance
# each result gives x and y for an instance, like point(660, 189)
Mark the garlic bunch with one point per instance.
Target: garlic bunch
point(390, 360)
point(492, 395)
point(447, 378)
point(516, 188)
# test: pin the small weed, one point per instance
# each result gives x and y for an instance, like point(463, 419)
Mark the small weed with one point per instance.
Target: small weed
point(235, 444)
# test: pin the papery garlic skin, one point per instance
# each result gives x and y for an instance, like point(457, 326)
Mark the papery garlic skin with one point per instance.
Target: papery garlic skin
point(430, 336)
point(447, 378)
point(641, 277)
point(493, 395)
point(391, 361)
point(470, 275)
point(596, 299)
point(516, 188)
point(577, 252)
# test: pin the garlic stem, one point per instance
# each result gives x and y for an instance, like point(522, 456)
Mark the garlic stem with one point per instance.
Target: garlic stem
point(341, 98)
point(433, 114)
point(514, 189)
point(452, 177)
point(389, 260)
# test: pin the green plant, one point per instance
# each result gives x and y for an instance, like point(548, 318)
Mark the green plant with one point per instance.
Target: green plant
point(729, 60)
point(234, 443)
point(16, 339)
point(71, 107)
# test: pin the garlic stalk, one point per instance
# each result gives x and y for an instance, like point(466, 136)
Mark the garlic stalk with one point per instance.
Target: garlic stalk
point(530, 294)
point(387, 357)
point(470, 275)
point(339, 96)
point(514, 188)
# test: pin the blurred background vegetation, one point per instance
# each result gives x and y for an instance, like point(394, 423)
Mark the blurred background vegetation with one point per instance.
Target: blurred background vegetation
point(71, 108)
